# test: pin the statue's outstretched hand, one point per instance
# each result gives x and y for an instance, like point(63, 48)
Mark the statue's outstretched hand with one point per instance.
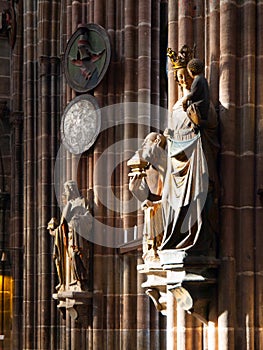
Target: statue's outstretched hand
point(134, 182)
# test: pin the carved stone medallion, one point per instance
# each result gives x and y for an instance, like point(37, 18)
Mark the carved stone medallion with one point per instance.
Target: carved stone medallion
point(87, 57)
point(80, 124)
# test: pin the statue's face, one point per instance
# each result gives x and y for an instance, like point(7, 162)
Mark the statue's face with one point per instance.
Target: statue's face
point(148, 146)
point(70, 191)
point(183, 78)
point(148, 141)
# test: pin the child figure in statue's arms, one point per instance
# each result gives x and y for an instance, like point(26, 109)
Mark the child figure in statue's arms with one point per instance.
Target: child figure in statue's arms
point(199, 96)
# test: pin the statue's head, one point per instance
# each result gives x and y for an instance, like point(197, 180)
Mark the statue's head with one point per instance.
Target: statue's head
point(154, 138)
point(183, 78)
point(152, 147)
point(71, 189)
point(179, 64)
point(195, 67)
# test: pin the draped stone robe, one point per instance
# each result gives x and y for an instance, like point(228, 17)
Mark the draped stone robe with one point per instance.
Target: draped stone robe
point(190, 186)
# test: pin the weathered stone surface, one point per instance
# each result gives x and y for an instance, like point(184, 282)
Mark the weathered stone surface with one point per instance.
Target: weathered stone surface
point(229, 38)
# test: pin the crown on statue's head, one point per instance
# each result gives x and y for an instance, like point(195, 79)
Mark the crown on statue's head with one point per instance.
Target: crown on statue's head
point(181, 59)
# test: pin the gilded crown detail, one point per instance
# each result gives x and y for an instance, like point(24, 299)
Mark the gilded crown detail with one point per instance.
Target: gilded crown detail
point(181, 59)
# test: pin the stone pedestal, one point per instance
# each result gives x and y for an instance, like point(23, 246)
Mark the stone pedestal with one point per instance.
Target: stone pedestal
point(155, 284)
point(76, 303)
point(191, 279)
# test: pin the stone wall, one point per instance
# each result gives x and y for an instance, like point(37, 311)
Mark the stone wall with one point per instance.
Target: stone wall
point(228, 38)
point(226, 34)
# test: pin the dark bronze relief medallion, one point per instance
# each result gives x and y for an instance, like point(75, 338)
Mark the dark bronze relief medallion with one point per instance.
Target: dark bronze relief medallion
point(87, 57)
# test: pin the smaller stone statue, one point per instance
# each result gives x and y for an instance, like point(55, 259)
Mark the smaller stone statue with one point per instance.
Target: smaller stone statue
point(197, 101)
point(58, 251)
point(75, 224)
point(146, 184)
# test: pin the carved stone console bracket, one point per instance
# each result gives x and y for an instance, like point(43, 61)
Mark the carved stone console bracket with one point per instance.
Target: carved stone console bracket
point(191, 279)
point(76, 303)
point(155, 284)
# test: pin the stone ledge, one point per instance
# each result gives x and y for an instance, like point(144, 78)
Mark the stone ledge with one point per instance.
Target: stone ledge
point(78, 304)
point(191, 279)
point(73, 295)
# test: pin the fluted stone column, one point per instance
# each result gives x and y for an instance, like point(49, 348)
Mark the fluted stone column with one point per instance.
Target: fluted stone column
point(226, 289)
point(16, 229)
point(30, 262)
point(259, 182)
point(213, 49)
point(11, 176)
point(172, 43)
point(41, 86)
point(245, 282)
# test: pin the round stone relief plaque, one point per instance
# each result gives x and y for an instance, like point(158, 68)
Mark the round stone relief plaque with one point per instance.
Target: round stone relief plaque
point(87, 57)
point(80, 124)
